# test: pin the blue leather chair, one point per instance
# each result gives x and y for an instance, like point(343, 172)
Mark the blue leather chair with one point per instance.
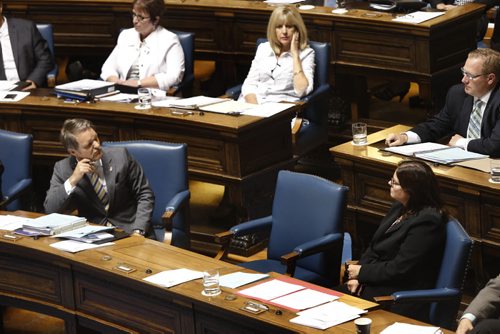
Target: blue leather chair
point(165, 166)
point(47, 34)
point(315, 132)
point(446, 295)
point(15, 154)
point(185, 88)
point(305, 229)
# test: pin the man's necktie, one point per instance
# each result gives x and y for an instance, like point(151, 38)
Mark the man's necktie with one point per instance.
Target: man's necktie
point(100, 190)
point(474, 130)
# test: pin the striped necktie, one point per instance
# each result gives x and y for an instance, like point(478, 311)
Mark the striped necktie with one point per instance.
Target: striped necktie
point(100, 190)
point(474, 130)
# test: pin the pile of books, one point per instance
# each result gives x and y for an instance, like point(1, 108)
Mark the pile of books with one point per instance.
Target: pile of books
point(54, 223)
point(85, 90)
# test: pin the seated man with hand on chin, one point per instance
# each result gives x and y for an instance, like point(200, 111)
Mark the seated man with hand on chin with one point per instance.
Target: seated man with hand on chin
point(471, 115)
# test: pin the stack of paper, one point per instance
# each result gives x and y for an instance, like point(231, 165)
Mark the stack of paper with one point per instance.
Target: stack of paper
point(54, 223)
point(171, 278)
point(399, 327)
point(11, 223)
point(88, 234)
point(434, 152)
point(85, 89)
point(328, 315)
point(73, 246)
point(237, 279)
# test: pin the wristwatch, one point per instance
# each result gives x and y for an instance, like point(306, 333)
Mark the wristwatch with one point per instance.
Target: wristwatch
point(139, 84)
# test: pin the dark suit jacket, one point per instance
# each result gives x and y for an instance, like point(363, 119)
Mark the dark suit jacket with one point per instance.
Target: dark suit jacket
point(131, 198)
point(31, 52)
point(454, 119)
point(407, 258)
point(486, 305)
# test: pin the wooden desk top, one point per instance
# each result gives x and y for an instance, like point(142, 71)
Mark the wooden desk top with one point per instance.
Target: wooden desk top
point(370, 154)
point(143, 254)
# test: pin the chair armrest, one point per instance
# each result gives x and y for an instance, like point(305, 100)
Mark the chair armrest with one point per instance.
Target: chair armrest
point(234, 92)
point(410, 296)
point(15, 191)
point(224, 238)
point(316, 94)
point(186, 81)
point(309, 248)
point(173, 206)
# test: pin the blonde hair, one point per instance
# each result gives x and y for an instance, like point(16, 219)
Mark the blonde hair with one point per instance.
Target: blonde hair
point(491, 60)
point(290, 16)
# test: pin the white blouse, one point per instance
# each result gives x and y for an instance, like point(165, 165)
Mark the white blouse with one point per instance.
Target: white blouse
point(271, 79)
point(161, 55)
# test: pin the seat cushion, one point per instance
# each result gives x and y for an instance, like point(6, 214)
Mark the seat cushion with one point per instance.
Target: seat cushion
point(266, 266)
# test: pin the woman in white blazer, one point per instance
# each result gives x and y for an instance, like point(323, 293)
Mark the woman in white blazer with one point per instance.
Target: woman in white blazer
point(147, 55)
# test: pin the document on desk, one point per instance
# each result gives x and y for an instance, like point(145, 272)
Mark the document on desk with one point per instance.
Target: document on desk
point(170, 278)
point(12, 96)
point(237, 279)
point(195, 102)
point(411, 149)
point(232, 107)
point(434, 152)
point(73, 246)
point(304, 299)
point(418, 17)
point(270, 290)
point(399, 327)
point(328, 315)
point(483, 165)
point(6, 85)
point(11, 223)
point(88, 234)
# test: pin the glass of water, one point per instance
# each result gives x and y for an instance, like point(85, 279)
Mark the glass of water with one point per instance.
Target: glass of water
point(359, 133)
point(211, 286)
point(144, 96)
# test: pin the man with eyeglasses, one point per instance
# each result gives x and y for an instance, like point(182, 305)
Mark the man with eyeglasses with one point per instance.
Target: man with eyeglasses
point(471, 115)
point(25, 55)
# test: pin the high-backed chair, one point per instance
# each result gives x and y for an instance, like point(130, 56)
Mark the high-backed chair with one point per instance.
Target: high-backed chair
point(165, 166)
point(47, 34)
point(15, 154)
point(445, 296)
point(305, 229)
point(185, 88)
point(314, 132)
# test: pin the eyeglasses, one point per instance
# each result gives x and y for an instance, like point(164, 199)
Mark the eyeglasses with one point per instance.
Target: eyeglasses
point(393, 183)
point(140, 18)
point(471, 76)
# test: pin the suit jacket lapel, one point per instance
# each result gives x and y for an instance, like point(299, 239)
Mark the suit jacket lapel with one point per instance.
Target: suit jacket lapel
point(14, 42)
point(109, 175)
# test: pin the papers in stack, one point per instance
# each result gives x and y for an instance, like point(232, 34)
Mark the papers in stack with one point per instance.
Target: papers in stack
point(195, 102)
point(174, 277)
point(85, 88)
point(73, 246)
point(418, 17)
point(11, 223)
point(328, 315)
point(54, 223)
point(399, 327)
point(434, 152)
point(237, 279)
point(88, 234)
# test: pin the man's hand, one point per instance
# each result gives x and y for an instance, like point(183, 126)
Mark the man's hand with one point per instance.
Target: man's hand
point(31, 86)
point(396, 139)
point(83, 167)
point(353, 271)
point(454, 139)
point(464, 326)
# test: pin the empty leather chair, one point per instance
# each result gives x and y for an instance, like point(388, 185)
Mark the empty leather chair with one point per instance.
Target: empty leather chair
point(185, 87)
point(47, 33)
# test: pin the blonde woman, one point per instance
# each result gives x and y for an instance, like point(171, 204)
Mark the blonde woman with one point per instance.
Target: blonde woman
point(283, 67)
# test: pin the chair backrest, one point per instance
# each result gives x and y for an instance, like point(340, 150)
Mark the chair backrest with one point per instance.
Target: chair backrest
point(15, 154)
point(165, 166)
point(456, 256)
point(307, 207)
point(47, 34)
point(187, 42)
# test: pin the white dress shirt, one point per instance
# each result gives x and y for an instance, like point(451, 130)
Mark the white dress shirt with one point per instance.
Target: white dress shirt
point(161, 55)
point(8, 56)
point(271, 79)
point(414, 138)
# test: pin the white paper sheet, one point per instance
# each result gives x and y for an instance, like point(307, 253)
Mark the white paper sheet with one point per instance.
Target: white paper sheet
point(304, 299)
point(237, 279)
point(73, 246)
point(411, 149)
point(11, 223)
point(399, 327)
point(418, 17)
point(12, 96)
point(171, 278)
point(270, 290)
point(194, 102)
point(6, 85)
point(327, 315)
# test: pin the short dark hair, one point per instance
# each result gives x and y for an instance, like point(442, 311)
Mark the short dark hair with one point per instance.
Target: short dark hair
point(421, 184)
point(154, 8)
point(70, 129)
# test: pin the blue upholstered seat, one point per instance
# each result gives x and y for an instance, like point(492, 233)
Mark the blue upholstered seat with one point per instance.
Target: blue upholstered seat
point(47, 34)
point(187, 42)
point(445, 297)
point(15, 154)
point(305, 229)
point(315, 132)
point(165, 166)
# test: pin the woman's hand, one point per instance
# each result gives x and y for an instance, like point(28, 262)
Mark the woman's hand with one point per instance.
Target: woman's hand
point(295, 47)
point(353, 271)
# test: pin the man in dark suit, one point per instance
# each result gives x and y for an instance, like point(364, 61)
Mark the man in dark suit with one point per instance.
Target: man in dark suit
point(26, 55)
point(105, 185)
point(483, 313)
point(471, 115)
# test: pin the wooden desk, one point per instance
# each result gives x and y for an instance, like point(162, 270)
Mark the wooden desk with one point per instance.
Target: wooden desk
point(243, 153)
point(86, 291)
point(466, 193)
point(364, 43)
